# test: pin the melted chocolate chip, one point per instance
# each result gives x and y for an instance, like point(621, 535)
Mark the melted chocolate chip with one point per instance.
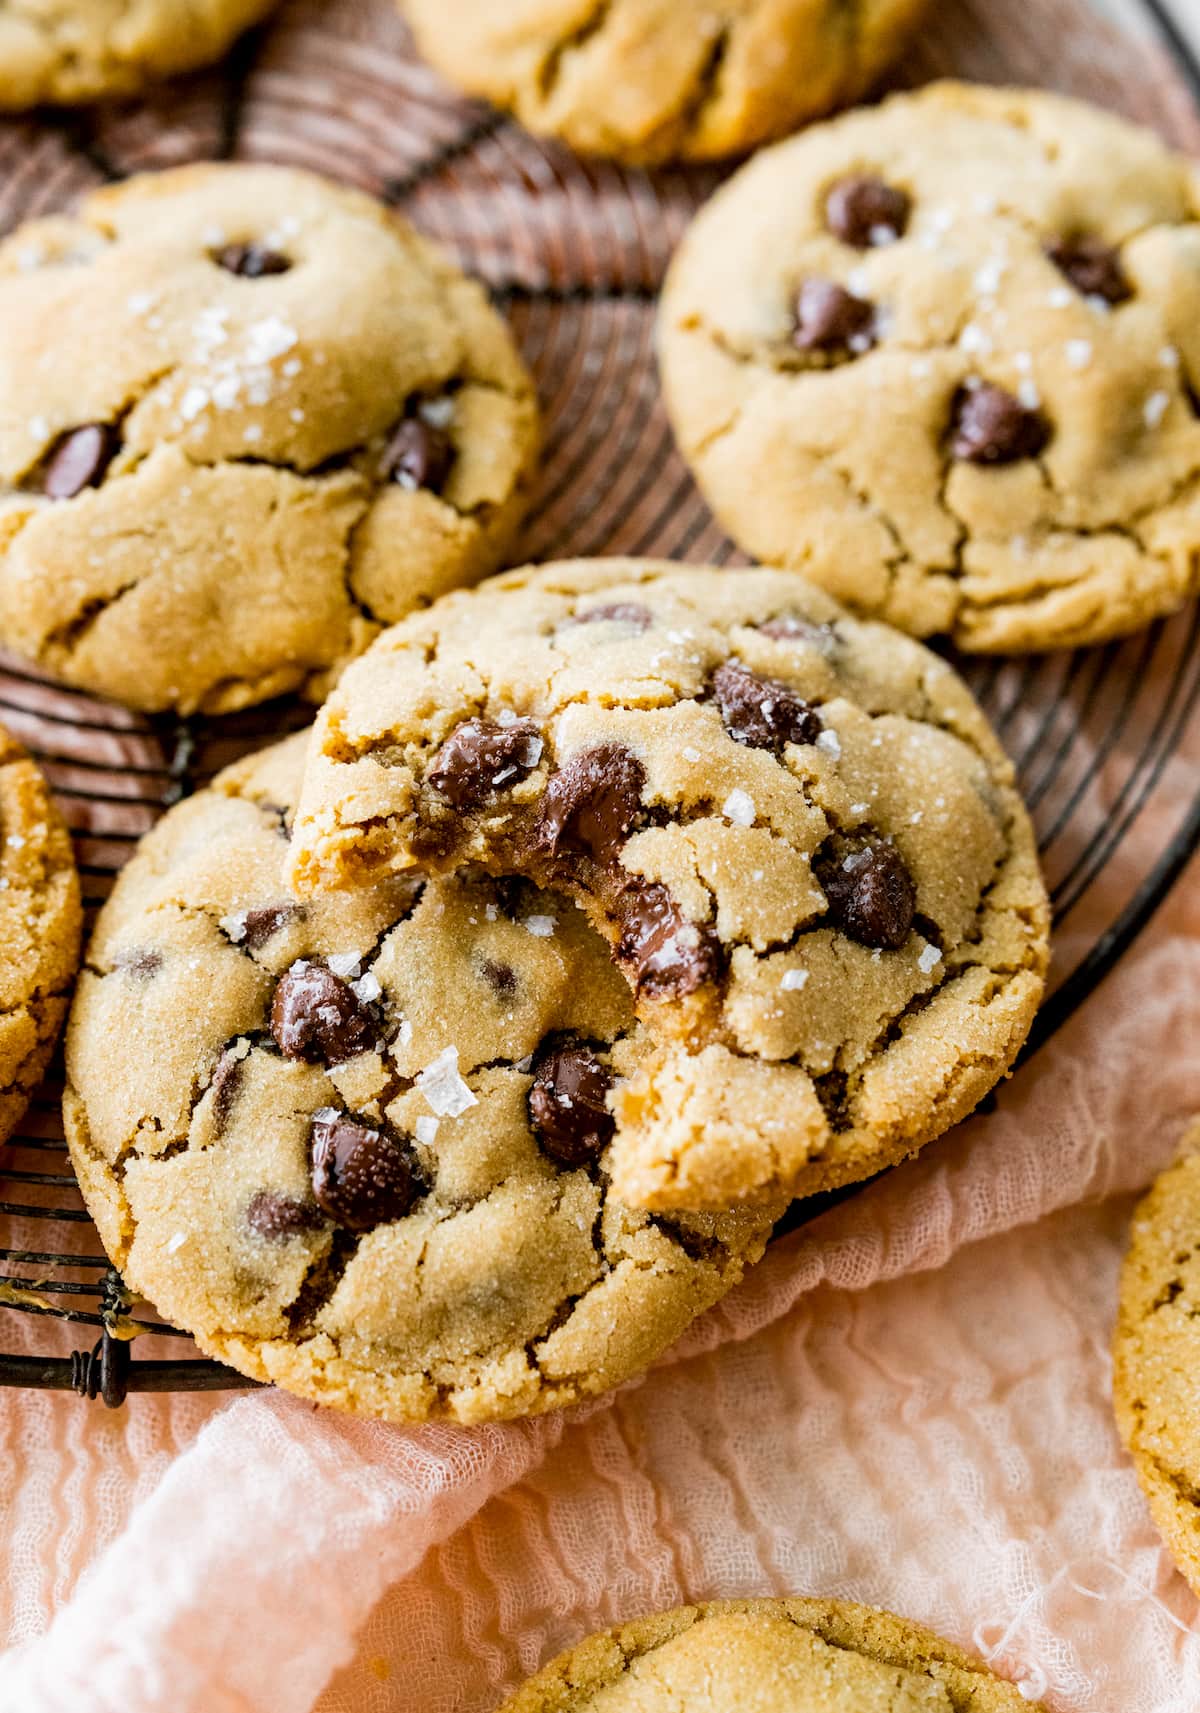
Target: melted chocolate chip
point(592, 802)
point(567, 1103)
point(501, 978)
point(362, 1176)
point(863, 211)
point(276, 1217)
point(263, 924)
point(483, 757)
point(142, 962)
point(317, 1016)
point(226, 1086)
point(78, 460)
point(871, 895)
point(762, 713)
point(629, 613)
point(668, 954)
point(830, 318)
point(251, 261)
point(1092, 266)
point(990, 426)
point(418, 455)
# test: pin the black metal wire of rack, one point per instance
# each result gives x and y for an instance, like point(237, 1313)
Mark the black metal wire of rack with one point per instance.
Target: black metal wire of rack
point(161, 762)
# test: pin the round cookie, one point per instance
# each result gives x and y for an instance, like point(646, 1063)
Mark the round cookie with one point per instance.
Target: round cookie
point(1156, 1354)
point(794, 828)
point(246, 417)
point(358, 1146)
point(768, 1656)
point(648, 81)
point(944, 357)
point(68, 51)
point(40, 920)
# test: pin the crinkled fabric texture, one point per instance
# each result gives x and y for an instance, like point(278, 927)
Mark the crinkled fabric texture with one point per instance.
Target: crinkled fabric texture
point(907, 1404)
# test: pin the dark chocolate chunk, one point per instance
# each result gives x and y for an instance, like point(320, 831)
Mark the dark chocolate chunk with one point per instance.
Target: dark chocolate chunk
point(226, 1085)
point(592, 802)
point(668, 954)
point(276, 1217)
point(864, 211)
point(483, 757)
point(263, 924)
point(790, 627)
point(251, 261)
point(318, 1017)
point(567, 1102)
point(871, 895)
point(830, 318)
point(629, 613)
point(362, 1175)
point(991, 426)
point(762, 713)
point(1092, 266)
point(418, 455)
point(78, 460)
point(142, 962)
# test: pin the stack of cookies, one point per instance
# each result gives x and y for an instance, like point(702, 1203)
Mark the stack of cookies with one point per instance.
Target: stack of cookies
point(448, 1060)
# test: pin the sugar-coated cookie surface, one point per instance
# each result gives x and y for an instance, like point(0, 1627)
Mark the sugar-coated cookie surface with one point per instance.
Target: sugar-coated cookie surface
point(657, 80)
point(40, 920)
point(1156, 1353)
point(794, 828)
point(768, 1656)
point(246, 417)
point(359, 1146)
point(944, 356)
point(86, 50)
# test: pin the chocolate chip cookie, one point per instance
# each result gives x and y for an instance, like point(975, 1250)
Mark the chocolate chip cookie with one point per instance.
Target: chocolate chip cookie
point(657, 80)
point(72, 51)
point(246, 418)
point(1157, 1350)
point(39, 928)
point(358, 1146)
point(794, 828)
point(768, 1656)
point(944, 357)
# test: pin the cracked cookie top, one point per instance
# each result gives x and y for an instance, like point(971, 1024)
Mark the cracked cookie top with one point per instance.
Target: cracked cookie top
point(359, 1146)
point(1156, 1352)
point(944, 357)
point(794, 828)
point(40, 919)
point(768, 1656)
point(88, 50)
point(246, 417)
point(657, 80)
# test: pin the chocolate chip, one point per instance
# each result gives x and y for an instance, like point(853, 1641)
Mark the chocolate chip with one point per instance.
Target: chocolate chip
point(1092, 266)
point(483, 757)
point(251, 261)
point(261, 925)
point(567, 1102)
point(225, 1086)
point(830, 318)
point(142, 962)
point(871, 895)
point(78, 460)
point(990, 426)
point(362, 1176)
point(864, 211)
point(592, 802)
point(418, 455)
point(629, 613)
point(501, 978)
point(762, 713)
point(317, 1016)
point(668, 954)
point(276, 1217)
point(789, 627)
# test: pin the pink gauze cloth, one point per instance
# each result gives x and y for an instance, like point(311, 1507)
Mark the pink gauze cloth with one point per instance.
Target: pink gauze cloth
point(907, 1403)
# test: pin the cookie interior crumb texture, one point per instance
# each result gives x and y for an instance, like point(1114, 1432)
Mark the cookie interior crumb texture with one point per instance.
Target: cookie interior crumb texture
point(768, 1656)
point(795, 830)
point(658, 80)
point(300, 423)
point(87, 50)
point(1157, 1354)
point(359, 1146)
point(944, 357)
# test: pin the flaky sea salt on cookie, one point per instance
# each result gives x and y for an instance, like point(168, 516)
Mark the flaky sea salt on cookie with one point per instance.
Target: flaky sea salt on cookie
point(795, 830)
point(246, 418)
point(944, 356)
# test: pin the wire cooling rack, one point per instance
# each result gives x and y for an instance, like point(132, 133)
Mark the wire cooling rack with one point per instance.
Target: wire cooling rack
point(1106, 741)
